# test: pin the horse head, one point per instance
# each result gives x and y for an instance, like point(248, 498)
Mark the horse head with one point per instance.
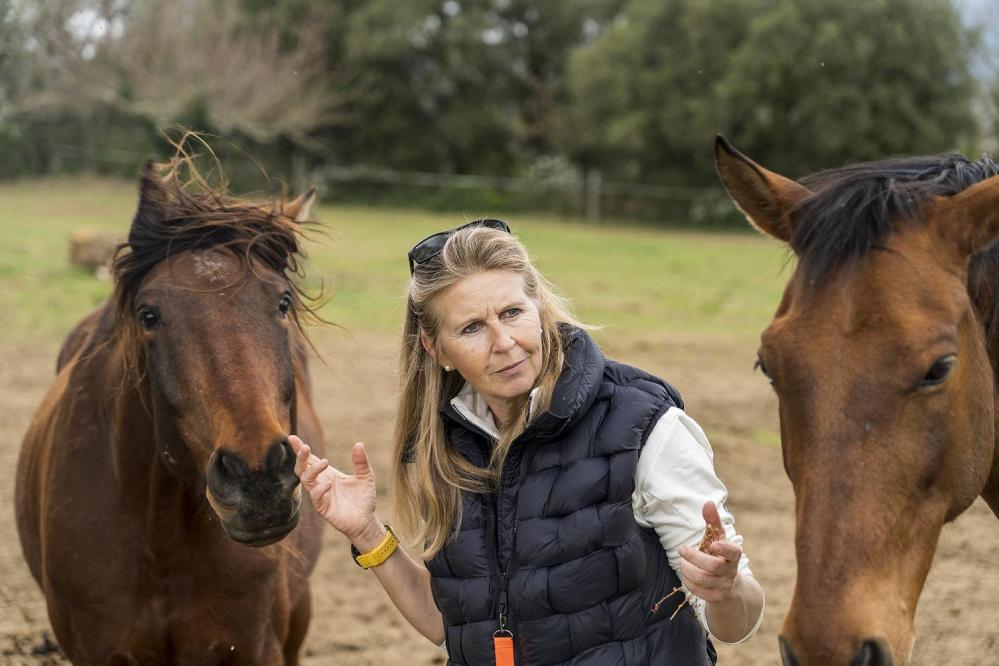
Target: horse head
point(209, 319)
point(879, 356)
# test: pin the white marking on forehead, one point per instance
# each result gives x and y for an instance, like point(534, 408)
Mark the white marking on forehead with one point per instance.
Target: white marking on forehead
point(212, 266)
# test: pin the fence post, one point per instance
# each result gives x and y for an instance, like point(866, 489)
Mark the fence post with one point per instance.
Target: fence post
point(593, 179)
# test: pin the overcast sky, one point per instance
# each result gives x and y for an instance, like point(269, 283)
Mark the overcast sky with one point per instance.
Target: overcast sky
point(984, 13)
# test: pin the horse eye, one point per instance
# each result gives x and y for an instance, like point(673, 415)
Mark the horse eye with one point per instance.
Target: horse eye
point(762, 367)
point(939, 371)
point(148, 318)
point(284, 305)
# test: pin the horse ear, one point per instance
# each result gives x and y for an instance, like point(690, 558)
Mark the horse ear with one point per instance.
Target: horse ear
point(970, 219)
point(153, 200)
point(300, 207)
point(764, 197)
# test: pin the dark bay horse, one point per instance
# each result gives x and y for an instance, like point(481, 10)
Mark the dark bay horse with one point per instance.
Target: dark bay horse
point(883, 355)
point(156, 471)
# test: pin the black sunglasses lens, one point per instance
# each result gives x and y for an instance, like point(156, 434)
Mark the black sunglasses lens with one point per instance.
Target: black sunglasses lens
point(428, 248)
point(431, 246)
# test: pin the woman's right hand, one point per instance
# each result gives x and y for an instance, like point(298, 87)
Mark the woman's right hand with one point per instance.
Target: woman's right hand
point(346, 502)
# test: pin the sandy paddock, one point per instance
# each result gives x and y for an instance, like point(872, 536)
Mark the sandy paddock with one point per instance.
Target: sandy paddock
point(353, 622)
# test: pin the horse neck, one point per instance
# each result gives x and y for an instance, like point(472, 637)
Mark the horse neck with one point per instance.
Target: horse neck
point(983, 289)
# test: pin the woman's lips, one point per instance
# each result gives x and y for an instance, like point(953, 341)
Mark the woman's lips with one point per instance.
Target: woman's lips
point(511, 369)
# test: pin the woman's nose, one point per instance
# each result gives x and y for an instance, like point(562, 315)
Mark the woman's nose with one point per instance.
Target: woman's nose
point(502, 340)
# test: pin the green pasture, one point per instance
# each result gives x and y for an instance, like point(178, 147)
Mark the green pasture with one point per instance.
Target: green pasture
point(629, 279)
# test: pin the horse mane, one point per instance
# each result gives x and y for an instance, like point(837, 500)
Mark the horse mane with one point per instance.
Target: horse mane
point(855, 209)
point(177, 214)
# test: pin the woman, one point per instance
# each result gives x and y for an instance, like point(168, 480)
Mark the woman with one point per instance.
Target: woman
point(557, 498)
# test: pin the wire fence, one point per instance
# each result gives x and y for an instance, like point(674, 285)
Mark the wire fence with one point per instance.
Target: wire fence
point(565, 192)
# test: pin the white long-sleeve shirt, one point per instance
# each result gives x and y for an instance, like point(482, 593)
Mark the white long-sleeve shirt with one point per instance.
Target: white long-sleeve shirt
point(674, 478)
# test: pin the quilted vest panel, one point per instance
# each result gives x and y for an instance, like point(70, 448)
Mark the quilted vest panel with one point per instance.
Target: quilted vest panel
point(556, 550)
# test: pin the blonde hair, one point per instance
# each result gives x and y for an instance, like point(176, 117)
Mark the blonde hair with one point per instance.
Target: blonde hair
point(430, 474)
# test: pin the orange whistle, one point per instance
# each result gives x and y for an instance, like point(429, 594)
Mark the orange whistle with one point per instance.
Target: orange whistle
point(503, 646)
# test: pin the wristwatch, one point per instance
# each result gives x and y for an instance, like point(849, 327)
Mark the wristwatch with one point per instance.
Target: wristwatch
point(379, 553)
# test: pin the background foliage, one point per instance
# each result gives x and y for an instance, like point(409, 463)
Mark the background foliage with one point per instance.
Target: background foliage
point(548, 91)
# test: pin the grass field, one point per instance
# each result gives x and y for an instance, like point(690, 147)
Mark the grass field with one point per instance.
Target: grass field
point(684, 306)
point(629, 279)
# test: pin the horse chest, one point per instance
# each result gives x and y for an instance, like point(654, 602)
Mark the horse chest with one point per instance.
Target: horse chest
point(202, 616)
point(157, 599)
point(191, 626)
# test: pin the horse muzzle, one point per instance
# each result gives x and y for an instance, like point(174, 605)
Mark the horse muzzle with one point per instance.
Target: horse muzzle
point(872, 652)
point(262, 537)
point(255, 507)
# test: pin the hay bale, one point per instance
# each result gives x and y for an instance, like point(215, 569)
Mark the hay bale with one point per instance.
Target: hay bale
point(92, 250)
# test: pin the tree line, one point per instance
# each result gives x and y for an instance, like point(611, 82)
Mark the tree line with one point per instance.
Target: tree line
point(633, 88)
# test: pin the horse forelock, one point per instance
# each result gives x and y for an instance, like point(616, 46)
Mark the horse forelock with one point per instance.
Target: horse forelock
point(855, 209)
point(176, 221)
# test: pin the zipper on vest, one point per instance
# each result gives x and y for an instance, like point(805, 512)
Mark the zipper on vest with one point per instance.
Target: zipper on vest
point(505, 582)
point(503, 605)
point(504, 602)
point(503, 609)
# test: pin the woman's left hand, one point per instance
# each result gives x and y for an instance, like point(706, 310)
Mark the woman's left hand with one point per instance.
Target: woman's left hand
point(711, 575)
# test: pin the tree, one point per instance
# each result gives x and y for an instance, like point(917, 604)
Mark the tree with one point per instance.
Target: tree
point(164, 62)
point(10, 52)
point(831, 83)
point(988, 108)
point(802, 85)
point(473, 86)
point(539, 38)
point(429, 89)
point(643, 94)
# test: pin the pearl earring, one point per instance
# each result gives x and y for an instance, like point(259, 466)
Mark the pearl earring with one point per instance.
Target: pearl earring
point(447, 368)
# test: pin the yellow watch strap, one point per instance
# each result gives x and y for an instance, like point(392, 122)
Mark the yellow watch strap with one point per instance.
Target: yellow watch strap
point(379, 553)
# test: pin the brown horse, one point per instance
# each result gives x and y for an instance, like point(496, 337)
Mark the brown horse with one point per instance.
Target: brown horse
point(883, 355)
point(157, 470)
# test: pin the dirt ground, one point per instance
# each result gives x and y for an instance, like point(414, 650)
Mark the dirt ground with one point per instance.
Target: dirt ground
point(354, 623)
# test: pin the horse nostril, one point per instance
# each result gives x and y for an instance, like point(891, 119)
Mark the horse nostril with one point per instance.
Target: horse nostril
point(279, 456)
point(233, 465)
point(873, 652)
point(225, 471)
point(786, 656)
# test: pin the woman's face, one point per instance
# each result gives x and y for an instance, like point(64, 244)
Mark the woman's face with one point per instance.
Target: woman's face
point(490, 332)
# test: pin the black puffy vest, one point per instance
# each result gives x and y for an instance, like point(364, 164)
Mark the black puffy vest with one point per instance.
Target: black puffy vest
point(556, 549)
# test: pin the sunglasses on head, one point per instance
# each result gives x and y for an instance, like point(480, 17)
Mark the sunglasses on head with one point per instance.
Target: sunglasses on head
point(433, 245)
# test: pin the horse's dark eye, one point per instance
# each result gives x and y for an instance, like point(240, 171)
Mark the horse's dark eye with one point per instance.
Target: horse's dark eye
point(762, 367)
point(284, 305)
point(939, 371)
point(148, 318)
